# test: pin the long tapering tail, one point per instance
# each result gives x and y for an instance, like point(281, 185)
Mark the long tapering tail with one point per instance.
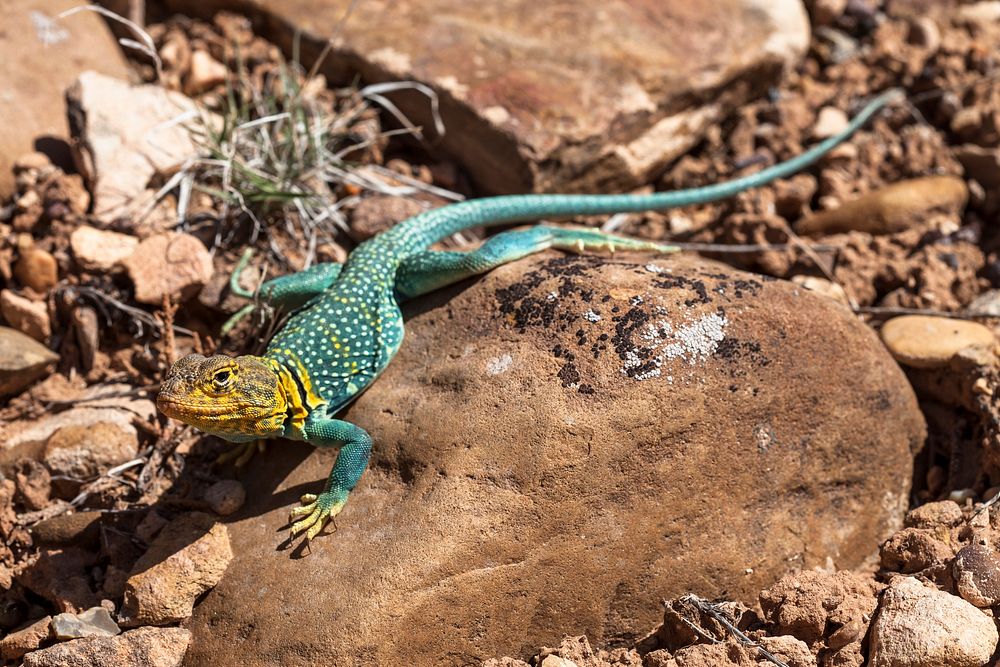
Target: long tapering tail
point(418, 232)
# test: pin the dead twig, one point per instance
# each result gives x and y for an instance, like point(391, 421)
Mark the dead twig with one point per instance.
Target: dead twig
point(706, 607)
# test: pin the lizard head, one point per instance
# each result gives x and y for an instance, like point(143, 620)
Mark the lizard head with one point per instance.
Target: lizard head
point(239, 398)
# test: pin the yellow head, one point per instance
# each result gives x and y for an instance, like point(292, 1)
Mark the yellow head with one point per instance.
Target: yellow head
point(237, 399)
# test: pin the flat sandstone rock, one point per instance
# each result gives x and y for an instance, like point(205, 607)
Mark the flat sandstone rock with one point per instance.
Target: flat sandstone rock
point(559, 446)
point(552, 95)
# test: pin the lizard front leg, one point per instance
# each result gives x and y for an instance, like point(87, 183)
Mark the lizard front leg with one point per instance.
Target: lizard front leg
point(355, 448)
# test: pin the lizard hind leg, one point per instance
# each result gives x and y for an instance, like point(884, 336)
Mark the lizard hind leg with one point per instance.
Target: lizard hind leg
point(430, 270)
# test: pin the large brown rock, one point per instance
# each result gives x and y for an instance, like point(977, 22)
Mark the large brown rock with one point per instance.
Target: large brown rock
point(595, 94)
point(528, 482)
point(41, 56)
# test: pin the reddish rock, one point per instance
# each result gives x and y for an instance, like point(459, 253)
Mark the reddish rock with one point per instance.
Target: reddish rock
point(143, 647)
point(22, 361)
point(36, 269)
point(374, 215)
point(187, 558)
point(62, 576)
point(100, 250)
point(174, 263)
point(912, 550)
point(543, 96)
point(27, 316)
point(568, 491)
point(26, 639)
point(36, 78)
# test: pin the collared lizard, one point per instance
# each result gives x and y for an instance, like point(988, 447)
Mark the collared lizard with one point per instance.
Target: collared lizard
point(347, 325)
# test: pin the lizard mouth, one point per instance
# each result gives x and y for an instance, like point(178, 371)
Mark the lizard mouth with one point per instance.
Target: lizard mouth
point(179, 409)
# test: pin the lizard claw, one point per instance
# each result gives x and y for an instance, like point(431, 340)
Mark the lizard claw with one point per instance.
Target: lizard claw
point(317, 510)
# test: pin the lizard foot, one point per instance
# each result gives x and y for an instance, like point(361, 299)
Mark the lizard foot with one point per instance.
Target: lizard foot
point(317, 510)
point(241, 453)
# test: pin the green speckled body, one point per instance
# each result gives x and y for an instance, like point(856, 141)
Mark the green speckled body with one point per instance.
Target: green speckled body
point(348, 325)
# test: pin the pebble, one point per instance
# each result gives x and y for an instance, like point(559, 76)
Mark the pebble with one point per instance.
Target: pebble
point(987, 303)
point(977, 575)
point(142, 647)
point(373, 215)
point(186, 559)
point(891, 209)
point(826, 12)
point(174, 263)
point(25, 640)
point(27, 316)
point(87, 330)
point(206, 72)
point(22, 360)
point(37, 269)
point(82, 529)
point(95, 622)
point(980, 12)
point(924, 31)
point(226, 497)
point(923, 341)
point(823, 286)
point(918, 626)
point(829, 121)
point(100, 250)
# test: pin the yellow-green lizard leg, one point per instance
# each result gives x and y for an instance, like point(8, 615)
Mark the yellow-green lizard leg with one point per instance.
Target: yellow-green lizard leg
point(429, 270)
point(241, 453)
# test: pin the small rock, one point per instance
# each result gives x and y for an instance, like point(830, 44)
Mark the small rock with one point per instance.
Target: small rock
point(62, 576)
point(917, 626)
point(913, 550)
point(100, 250)
point(980, 12)
point(891, 209)
point(826, 12)
point(33, 161)
point(977, 575)
point(87, 330)
point(924, 32)
point(823, 286)
point(206, 72)
point(25, 640)
point(980, 163)
point(173, 263)
point(27, 316)
point(126, 135)
point(187, 558)
point(374, 215)
point(922, 341)
point(22, 361)
point(829, 121)
point(226, 497)
point(82, 529)
point(34, 484)
point(216, 294)
point(987, 303)
point(142, 647)
point(95, 622)
point(944, 513)
point(84, 452)
point(36, 269)
point(806, 604)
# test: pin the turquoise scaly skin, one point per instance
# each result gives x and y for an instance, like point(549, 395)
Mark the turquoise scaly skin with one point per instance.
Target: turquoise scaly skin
point(347, 324)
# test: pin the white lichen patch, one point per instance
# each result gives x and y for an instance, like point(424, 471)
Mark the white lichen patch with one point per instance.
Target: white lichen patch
point(591, 316)
point(636, 300)
point(653, 268)
point(551, 296)
point(691, 342)
point(498, 365)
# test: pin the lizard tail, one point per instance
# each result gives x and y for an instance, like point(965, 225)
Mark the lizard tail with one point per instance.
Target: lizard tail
point(417, 233)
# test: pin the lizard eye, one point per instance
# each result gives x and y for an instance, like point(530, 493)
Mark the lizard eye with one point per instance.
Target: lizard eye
point(223, 378)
